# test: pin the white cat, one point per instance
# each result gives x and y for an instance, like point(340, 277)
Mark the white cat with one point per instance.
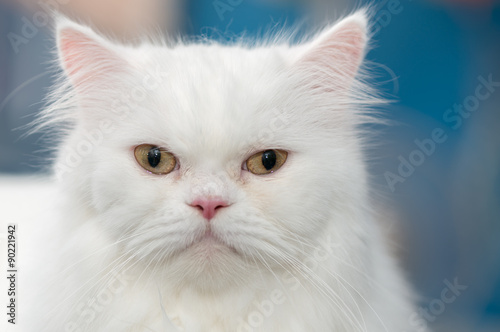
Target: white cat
point(207, 187)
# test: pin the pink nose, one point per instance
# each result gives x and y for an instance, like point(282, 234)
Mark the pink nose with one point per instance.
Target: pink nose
point(208, 206)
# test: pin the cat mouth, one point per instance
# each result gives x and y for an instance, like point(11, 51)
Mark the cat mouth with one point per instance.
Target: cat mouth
point(209, 241)
point(209, 237)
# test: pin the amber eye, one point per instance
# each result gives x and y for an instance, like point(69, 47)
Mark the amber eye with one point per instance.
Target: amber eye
point(154, 159)
point(266, 162)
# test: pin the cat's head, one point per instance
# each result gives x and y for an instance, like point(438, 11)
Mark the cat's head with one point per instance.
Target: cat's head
point(211, 159)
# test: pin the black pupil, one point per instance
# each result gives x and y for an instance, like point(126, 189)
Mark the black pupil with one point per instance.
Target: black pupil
point(269, 159)
point(154, 157)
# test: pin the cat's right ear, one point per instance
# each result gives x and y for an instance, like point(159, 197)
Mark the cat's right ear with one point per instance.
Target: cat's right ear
point(85, 56)
point(333, 58)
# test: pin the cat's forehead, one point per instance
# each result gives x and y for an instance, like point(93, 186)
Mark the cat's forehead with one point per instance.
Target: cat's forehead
point(210, 96)
point(221, 74)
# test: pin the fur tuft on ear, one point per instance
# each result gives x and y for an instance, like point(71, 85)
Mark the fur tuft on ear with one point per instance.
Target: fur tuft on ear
point(84, 55)
point(338, 51)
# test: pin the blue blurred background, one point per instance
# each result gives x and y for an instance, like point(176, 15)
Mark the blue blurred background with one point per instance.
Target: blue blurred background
point(434, 58)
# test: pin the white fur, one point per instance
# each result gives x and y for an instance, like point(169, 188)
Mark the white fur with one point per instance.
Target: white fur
point(122, 250)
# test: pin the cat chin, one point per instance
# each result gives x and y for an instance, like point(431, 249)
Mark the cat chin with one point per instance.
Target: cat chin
point(208, 265)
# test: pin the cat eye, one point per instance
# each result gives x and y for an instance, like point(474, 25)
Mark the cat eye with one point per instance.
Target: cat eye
point(154, 159)
point(266, 162)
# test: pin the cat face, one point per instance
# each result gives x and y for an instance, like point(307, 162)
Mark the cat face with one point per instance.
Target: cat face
point(214, 159)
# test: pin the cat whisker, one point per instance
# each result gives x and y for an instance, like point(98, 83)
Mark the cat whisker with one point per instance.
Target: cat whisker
point(320, 285)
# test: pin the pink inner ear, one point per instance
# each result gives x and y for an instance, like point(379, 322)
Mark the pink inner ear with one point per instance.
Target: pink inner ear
point(339, 53)
point(350, 44)
point(71, 49)
point(84, 58)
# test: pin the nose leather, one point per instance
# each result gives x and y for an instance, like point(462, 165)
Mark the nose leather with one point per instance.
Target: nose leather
point(209, 206)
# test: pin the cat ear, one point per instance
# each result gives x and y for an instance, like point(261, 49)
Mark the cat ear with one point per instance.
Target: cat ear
point(336, 54)
point(85, 56)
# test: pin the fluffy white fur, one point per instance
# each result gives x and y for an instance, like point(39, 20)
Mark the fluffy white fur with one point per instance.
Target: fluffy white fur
point(298, 250)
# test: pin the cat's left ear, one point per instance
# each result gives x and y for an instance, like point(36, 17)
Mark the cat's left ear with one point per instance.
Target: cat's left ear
point(337, 53)
point(85, 56)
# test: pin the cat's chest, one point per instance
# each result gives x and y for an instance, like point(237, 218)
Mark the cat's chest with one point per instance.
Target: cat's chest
point(197, 314)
